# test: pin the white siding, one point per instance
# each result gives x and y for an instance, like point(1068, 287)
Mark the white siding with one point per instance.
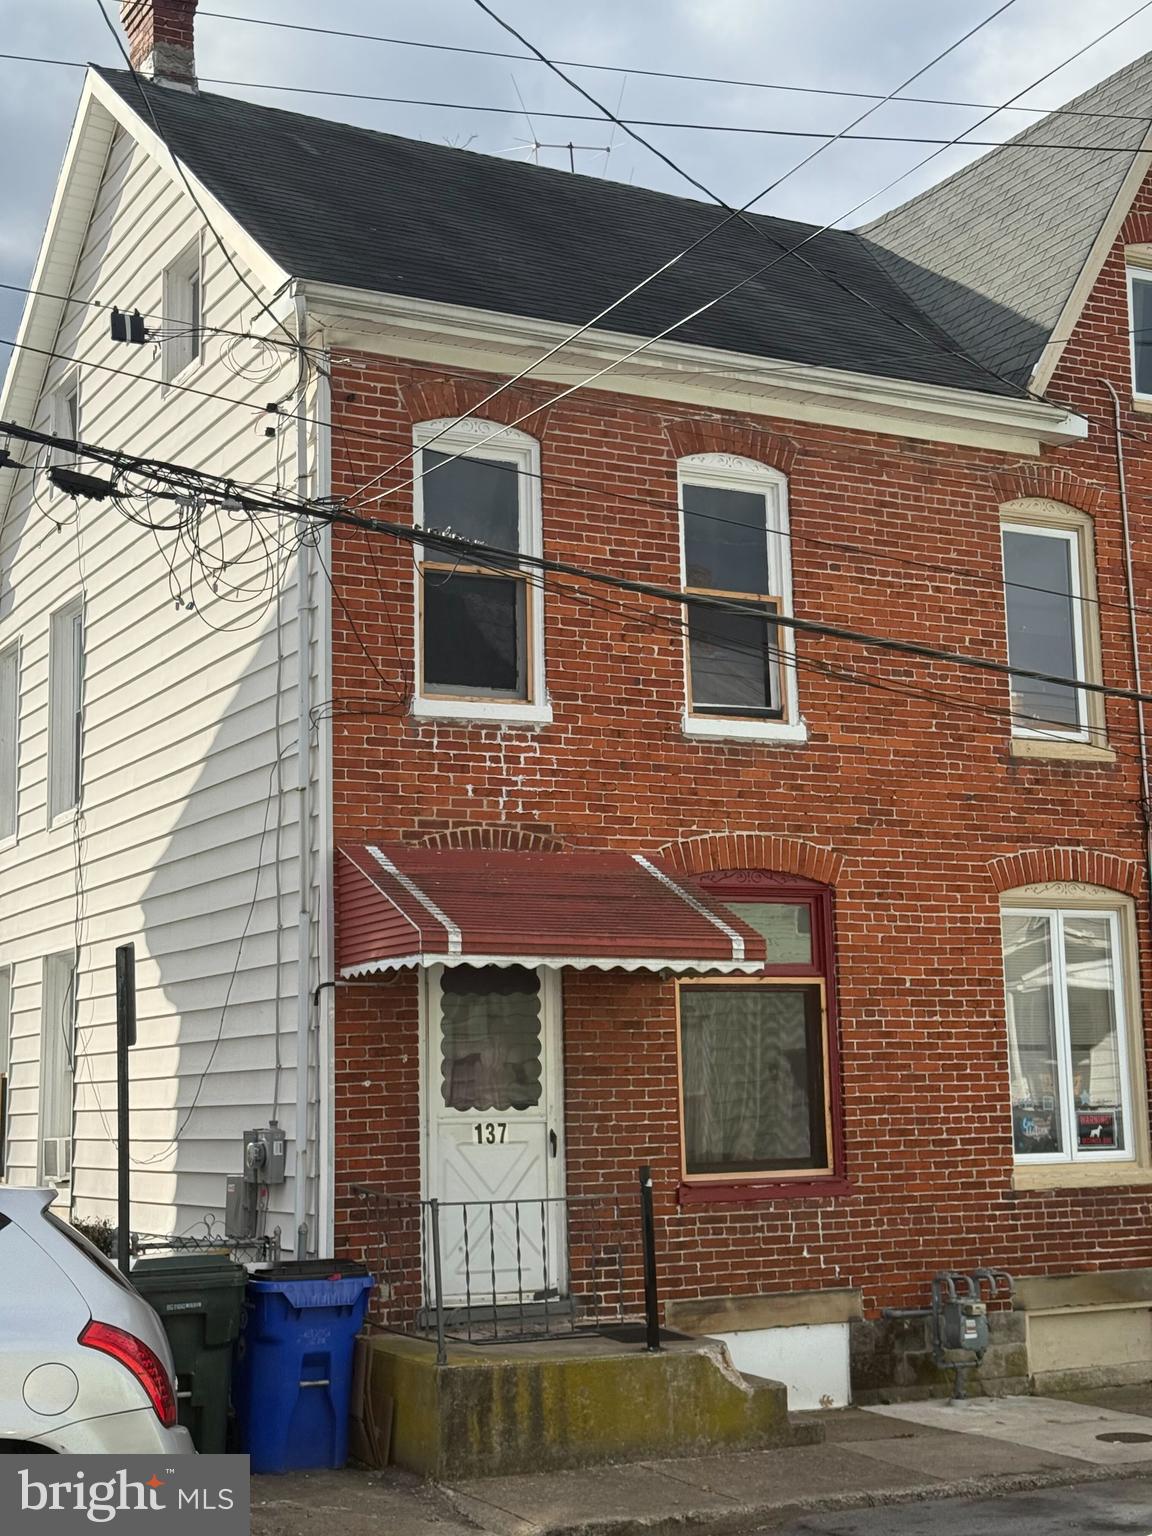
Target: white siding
point(182, 727)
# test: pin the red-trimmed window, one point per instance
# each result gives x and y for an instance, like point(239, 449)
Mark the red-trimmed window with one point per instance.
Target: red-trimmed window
point(758, 1068)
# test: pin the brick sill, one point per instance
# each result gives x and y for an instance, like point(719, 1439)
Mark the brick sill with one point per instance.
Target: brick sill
point(751, 1194)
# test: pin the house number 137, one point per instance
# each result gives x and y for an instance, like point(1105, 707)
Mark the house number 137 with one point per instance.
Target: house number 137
point(488, 1132)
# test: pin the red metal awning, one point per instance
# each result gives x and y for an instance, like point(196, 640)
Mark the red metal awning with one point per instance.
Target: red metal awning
point(400, 906)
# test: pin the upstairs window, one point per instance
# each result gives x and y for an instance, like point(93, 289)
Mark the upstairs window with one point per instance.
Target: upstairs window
point(66, 420)
point(1050, 605)
point(734, 537)
point(182, 334)
point(480, 637)
point(1140, 324)
point(65, 707)
point(57, 1065)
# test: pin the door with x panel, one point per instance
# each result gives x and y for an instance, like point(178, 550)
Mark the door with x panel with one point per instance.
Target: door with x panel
point(494, 1122)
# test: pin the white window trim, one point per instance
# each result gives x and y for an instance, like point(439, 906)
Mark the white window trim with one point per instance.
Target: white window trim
point(63, 722)
point(1119, 930)
point(190, 262)
point(52, 1017)
point(1074, 538)
point(68, 387)
point(11, 745)
point(728, 471)
point(1135, 275)
point(470, 437)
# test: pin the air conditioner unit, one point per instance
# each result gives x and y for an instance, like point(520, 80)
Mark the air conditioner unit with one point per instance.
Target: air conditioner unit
point(57, 1159)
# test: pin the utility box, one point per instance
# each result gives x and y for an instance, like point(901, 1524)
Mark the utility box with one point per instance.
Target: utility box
point(240, 1206)
point(265, 1155)
point(964, 1325)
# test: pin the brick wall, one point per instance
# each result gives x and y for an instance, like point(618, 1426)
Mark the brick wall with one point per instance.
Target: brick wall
point(913, 810)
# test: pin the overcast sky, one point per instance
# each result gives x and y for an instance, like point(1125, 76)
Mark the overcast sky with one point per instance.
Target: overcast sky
point(857, 45)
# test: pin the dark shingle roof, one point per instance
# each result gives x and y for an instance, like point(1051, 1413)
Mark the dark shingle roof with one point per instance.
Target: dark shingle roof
point(369, 210)
point(993, 252)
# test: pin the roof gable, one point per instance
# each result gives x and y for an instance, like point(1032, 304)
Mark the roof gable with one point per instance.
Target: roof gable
point(994, 252)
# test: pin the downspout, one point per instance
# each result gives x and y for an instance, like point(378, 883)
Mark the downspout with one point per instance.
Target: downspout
point(1141, 729)
point(305, 1150)
point(325, 995)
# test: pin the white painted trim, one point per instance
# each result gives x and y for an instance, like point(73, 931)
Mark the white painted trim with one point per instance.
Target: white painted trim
point(781, 733)
point(455, 941)
point(657, 963)
point(325, 878)
point(730, 933)
point(482, 439)
point(1061, 332)
point(452, 334)
point(728, 471)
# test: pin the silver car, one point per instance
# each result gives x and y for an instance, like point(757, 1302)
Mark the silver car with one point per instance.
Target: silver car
point(85, 1365)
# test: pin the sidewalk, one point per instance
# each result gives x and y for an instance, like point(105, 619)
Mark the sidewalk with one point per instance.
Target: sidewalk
point(870, 1456)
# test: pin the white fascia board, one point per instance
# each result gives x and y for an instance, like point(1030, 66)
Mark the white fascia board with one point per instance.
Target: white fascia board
point(77, 188)
point(1106, 237)
point(100, 112)
point(488, 341)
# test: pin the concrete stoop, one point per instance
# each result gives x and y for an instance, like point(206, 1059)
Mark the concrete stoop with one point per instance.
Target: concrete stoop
point(498, 1411)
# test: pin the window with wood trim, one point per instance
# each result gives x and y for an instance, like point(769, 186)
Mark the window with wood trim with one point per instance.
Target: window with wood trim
point(1073, 1043)
point(1052, 619)
point(734, 552)
point(480, 635)
point(757, 1054)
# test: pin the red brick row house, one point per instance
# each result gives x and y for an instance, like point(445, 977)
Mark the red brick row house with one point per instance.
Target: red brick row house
point(850, 947)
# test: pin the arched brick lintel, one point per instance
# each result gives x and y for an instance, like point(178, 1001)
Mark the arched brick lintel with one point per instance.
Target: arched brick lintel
point(1036, 866)
point(1137, 229)
point(1049, 483)
point(514, 839)
point(753, 850)
point(437, 398)
point(706, 436)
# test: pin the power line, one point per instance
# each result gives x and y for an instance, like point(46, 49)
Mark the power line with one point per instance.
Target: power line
point(652, 503)
point(663, 74)
point(337, 514)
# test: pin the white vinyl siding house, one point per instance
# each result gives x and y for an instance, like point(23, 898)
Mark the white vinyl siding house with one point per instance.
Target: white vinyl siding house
point(182, 783)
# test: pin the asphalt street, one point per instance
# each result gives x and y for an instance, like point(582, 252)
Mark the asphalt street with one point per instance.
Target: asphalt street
point(1093, 1509)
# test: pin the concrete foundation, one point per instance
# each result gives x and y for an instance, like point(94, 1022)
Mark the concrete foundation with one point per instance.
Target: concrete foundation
point(891, 1361)
point(543, 1407)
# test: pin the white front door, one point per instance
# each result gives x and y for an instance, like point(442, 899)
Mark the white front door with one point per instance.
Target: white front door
point(494, 1127)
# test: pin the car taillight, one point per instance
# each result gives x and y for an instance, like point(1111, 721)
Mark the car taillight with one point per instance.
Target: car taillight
point(143, 1362)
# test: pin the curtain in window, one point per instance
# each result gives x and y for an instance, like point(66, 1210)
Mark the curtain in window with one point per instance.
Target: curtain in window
point(490, 1038)
point(753, 1083)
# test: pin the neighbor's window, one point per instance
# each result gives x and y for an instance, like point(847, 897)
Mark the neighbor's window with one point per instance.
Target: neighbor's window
point(65, 707)
point(1051, 613)
point(57, 1064)
point(182, 334)
point(756, 1056)
point(5, 1059)
point(1067, 1037)
point(66, 420)
point(734, 547)
point(1140, 321)
point(480, 619)
point(9, 737)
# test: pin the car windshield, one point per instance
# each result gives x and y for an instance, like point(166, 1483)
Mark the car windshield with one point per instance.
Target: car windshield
point(88, 1249)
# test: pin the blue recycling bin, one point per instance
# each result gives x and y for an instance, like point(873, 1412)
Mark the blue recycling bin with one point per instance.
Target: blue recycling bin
point(292, 1383)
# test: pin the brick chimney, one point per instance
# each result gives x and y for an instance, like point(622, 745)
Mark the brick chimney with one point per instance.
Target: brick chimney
point(160, 39)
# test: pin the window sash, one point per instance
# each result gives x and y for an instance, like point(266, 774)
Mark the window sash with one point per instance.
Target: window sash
point(1056, 918)
point(57, 1048)
point(770, 652)
point(9, 738)
point(183, 305)
point(523, 608)
point(66, 705)
point(1140, 335)
point(819, 1080)
point(1039, 729)
point(520, 451)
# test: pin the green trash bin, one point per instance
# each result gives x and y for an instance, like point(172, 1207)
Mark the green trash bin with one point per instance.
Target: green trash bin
point(199, 1298)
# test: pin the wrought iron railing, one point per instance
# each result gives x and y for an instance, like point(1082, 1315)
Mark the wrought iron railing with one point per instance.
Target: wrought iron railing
point(504, 1271)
